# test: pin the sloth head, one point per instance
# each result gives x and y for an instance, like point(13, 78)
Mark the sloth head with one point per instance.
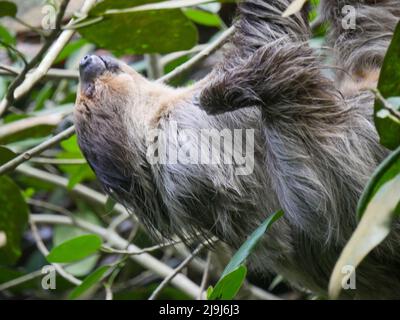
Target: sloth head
point(115, 108)
point(113, 104)
point(108, 86)
point(111, 89)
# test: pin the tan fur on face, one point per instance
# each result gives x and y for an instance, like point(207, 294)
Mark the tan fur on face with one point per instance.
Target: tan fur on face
point(142, 102)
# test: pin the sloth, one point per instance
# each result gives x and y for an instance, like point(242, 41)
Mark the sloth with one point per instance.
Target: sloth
point(313, 145)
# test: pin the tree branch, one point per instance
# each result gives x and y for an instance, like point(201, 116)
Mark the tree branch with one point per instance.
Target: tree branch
point(79, 189)
point(42, 248)
point(51, 73)
point(28, 123)
point(17, 281)
point(174, 273)
point(198, 57)
point(146, 260)
point(12, 164)
point(204, 278)
point(385, 104)
point(24, 82)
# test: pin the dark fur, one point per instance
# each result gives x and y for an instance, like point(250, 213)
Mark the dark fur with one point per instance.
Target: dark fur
point(315, 148)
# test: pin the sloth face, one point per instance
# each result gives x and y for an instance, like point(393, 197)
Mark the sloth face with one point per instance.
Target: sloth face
point(108, 95)
point(107, 84)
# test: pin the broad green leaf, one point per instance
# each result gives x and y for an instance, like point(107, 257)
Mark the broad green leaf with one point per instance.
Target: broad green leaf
point(63, 233)
point(389, 86)
point(13, 219)
point(246, 248)
point(75, 249)
point(374, 227)
point(150, 31)
point(89, 282)
point(203, 17)
point(228, 286)
point(386, 171)
point(8, 9)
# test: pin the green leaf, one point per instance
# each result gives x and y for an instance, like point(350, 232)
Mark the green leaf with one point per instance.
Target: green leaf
point(389, 86)
point(13, 220)
point(150, 31)
point(203, 17)
point(386, 171)
point(228, 286)
point(6, 155)
point(89, 282)
point(246, 248)
point(8, 9)
point(75, 249)
point(374, 227)
point(6, 36)
point(63, 233)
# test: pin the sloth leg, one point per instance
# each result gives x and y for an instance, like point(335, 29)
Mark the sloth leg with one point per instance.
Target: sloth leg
point(271, 66)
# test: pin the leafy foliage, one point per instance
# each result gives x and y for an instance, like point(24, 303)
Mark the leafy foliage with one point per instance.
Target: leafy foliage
point(147, 31)
point(75, 249)
point(228, 286)
point(13, 219)
point(90, 281)
point(379, 204)
point(235, 272)
point(389, 85)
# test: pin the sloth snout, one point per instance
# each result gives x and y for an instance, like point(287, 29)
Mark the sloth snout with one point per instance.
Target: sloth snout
point(91, 67)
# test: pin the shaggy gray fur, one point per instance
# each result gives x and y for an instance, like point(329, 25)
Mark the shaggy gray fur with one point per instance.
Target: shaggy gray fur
point(315, 149)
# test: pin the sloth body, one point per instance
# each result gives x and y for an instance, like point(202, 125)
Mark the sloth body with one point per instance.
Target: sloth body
point(315, 145)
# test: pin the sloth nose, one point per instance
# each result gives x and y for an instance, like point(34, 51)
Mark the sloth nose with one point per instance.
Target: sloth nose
point(90, 67)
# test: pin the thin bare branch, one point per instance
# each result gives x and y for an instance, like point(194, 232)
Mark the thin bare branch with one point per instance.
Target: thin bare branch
point(385, 104)
point(204, 279)
point(175, 272)
point(20, 79)
point(41, 160)
point(11, 128)
point(20, 280)
point(42, 248)
point(51, 73)
point(9, 166)
point(199, 57)
point(79, 189)
point(25, 82)
point(146, 260)
point(145, 250)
